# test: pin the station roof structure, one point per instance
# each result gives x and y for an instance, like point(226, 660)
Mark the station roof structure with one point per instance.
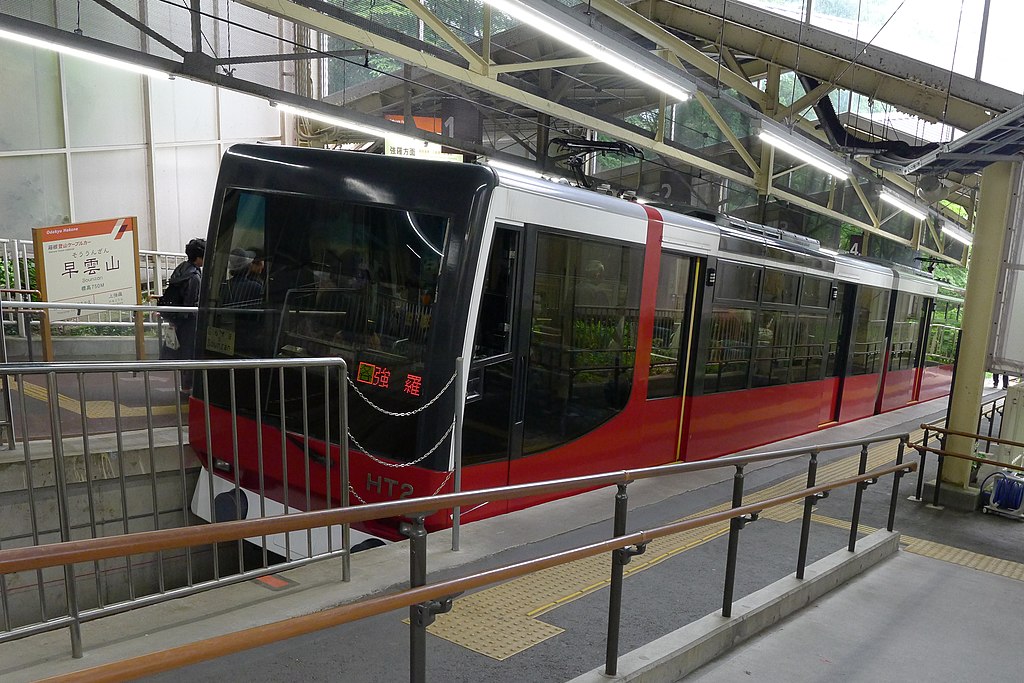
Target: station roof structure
point(912, 95)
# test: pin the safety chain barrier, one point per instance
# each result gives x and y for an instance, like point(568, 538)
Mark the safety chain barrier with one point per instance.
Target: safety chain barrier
point(400, 465)
point(406, 414)
point(384, 463)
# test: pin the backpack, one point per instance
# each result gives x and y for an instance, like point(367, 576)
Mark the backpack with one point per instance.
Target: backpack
point(174, 295)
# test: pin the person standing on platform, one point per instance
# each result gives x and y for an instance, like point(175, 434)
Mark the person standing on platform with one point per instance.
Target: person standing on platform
point(185, 281)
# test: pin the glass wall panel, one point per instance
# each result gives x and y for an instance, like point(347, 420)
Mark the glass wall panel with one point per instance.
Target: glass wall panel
point(33, 75)
point(1001, 65)
point(99, 23)
point(34, 193)
point(944, 33)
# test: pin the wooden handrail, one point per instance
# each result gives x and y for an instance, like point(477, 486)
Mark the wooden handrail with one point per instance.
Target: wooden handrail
point(87, 550)
point(258, 636)
point(937, 451)
point(980, 437)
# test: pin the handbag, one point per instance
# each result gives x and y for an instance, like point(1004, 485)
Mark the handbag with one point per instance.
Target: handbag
point(170, 338)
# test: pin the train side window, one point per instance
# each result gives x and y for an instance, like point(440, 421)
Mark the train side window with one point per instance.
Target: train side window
point(815, 292)
point(494, 326)
point(808, 346)
point(906, 331)
point(780, 287)
point(868, 338)
point(774, 353)
point(670, 326)
point(729, 349)
point(586, 304)
point(737, 282)
point(942, 333)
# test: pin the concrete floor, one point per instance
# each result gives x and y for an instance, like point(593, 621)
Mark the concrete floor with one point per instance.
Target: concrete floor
point(911, 618)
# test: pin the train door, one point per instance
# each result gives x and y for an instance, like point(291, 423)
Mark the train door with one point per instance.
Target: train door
point(927, 311)
point(493, 421)
point(554, 354)
point(837, 334)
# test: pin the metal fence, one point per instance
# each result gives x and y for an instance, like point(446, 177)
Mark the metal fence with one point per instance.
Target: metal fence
point(17, 271)
point(103, 452)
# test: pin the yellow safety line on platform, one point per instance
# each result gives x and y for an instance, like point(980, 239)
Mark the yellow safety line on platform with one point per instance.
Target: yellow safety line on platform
point(93, 409)
point(946, 553)
point(501, 621)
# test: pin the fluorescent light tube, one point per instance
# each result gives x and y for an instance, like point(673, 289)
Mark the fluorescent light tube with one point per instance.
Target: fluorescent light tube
point(957, 233)
point(903, 205)
point(83, 54)
point(536, 19)
point(817, 158)
point(524, 170)
point(332, 120)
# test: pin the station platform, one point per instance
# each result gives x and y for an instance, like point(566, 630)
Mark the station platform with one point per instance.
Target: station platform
point(937, 608)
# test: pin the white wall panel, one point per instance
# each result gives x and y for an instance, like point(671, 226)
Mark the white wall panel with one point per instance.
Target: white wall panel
point(110, 184)
point(244, 116)
point(185, 179)
point(104, 105)
point(31, 85)
point(183, 111)
point(33, 194)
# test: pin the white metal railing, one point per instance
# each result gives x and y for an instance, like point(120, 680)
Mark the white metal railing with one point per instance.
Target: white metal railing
point(17, 271)
point(135, 470)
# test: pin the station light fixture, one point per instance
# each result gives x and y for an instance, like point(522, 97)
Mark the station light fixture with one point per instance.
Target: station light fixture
point(803, 149)
point(332, 120)
point(566, 29)
point(902, 204)
point(94, 57)
point(524, 170)
point(957, 233)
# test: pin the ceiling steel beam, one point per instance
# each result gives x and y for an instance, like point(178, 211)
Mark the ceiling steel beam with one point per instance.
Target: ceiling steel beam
point(541, 64)
point(686, 52)
point(293, 11)
point(909, 84)
point(476, 62)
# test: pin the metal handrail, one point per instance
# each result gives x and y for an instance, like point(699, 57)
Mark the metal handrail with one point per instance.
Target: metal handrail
point(440, 593)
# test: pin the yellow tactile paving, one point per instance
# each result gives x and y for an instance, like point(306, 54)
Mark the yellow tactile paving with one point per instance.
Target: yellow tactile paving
point(502, 621)
point(946, 553)
point(93, 409)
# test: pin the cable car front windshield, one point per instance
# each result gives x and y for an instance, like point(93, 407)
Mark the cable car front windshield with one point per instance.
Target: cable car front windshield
point(298, 275)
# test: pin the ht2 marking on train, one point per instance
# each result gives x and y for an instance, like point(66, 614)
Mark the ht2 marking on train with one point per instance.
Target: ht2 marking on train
point(379, 483)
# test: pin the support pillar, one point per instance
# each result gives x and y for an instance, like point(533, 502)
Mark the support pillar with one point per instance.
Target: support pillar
point(997, 196)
